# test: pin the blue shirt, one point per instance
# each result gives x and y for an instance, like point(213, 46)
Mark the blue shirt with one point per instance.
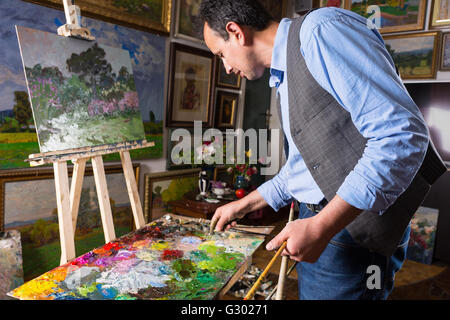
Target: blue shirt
point(349, 60)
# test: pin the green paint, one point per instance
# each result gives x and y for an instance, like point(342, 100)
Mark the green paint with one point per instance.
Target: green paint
point(221, 262)
point(87, 289)
point(198, 255)
point(125, 297)
point(211, 249)
point(184, 267)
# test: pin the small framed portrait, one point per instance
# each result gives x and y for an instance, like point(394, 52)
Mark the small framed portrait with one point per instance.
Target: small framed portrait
point(440, 13)
point(191, 86)
point(445, 56)
point(225, 80)
point(226, 108)
point(186, 25)
point(414, 54)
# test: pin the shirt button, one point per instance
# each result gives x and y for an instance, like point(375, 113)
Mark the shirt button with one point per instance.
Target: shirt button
point(317, 165)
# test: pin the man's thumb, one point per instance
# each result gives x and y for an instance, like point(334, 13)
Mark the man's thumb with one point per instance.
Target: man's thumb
point(275, 242)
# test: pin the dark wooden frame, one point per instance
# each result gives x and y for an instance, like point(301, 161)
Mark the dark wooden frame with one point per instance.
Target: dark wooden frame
point(94, 9)
point(177, 47)
point(219, 66)
point(221, 96)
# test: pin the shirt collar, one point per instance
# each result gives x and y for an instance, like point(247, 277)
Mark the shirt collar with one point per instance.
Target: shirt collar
point(278, 63)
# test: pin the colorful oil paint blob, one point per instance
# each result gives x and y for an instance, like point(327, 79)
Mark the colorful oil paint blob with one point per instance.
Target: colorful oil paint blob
point(167, 259)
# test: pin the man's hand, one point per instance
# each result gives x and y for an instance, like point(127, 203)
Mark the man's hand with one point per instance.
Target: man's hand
point(307, 238)
point(227, 214)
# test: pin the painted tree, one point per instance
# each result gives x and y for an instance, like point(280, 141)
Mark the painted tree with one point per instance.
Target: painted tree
point(22, 108)
point(92, 67)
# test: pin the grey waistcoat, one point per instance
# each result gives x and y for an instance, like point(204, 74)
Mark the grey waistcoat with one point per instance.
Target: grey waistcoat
point(331, 145)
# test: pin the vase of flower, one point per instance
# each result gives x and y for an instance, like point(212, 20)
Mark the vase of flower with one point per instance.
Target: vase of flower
point(240, 183)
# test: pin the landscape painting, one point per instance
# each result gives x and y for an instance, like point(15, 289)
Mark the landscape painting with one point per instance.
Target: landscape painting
point(162, 187)
point(414, 54)
point(395, 15)
point(148, 15)
point(423, 234)
point(29, 206)
point(18, 137)
point(82, 93)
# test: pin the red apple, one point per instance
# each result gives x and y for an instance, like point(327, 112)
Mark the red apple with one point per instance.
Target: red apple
point(240, 193)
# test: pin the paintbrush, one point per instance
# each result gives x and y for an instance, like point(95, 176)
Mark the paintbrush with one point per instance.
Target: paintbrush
point(255, 287)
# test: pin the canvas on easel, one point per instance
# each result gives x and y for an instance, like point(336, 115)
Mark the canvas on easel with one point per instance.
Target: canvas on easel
point(85, 105)
point(82, 93)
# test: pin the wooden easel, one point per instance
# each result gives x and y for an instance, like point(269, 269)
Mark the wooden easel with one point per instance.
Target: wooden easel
point(68, 198)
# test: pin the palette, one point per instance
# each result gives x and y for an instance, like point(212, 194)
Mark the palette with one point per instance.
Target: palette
point(172, 258)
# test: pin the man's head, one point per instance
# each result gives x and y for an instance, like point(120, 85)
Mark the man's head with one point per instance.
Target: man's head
point(229, 28)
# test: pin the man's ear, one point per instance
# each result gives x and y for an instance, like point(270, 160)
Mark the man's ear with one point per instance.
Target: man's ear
point(235, 31)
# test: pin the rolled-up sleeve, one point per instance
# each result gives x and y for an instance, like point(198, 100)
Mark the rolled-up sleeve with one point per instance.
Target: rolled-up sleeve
point(274, 191)
point(350, 61)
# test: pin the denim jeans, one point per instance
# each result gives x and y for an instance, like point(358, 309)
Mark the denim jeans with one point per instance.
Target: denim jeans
point(341, 272)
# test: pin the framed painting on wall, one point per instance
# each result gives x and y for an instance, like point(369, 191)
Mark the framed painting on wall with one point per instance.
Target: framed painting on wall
point(395, 16)
point(440, 14)
point(414, 54)
point(191, 86)
point(423, 234)
point(162, 187)
point(226, 109)
point(224, 79)
point(445, 56)
point(186, 25)
point(28, 204)
point(147, 15)
point(333, 3)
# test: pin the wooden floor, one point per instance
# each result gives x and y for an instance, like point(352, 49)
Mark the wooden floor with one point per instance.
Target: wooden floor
point(414, 281)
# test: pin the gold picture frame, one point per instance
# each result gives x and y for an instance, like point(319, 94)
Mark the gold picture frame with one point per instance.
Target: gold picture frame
point(440, 14)
point(418, 24)
point(422, 69)
point(153, 211)
point(445, 52)
point(226, 105)
point(32, 190)
point(133, 17)
point(185, 24)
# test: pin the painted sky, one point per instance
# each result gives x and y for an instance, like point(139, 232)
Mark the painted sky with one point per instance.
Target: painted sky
point(410, 44)
point(147, 52)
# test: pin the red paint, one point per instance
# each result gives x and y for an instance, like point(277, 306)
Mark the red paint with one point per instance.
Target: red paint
point(171, 254)
point(112, 246)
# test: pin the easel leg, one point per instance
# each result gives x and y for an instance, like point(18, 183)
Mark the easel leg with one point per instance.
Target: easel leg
point(103, 198)
point(64, 219)
point(133, 193)
point(75, 189)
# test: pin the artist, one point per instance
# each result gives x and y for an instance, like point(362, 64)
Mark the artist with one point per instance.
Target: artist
point(359, 158)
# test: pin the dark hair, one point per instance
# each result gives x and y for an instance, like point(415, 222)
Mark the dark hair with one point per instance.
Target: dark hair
point(217, 13)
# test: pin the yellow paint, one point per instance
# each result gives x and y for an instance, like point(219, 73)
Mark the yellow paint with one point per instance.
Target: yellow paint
point(160, 245)
point(141, 244)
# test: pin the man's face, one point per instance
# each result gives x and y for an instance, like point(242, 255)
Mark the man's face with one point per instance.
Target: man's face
point(237, 57)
